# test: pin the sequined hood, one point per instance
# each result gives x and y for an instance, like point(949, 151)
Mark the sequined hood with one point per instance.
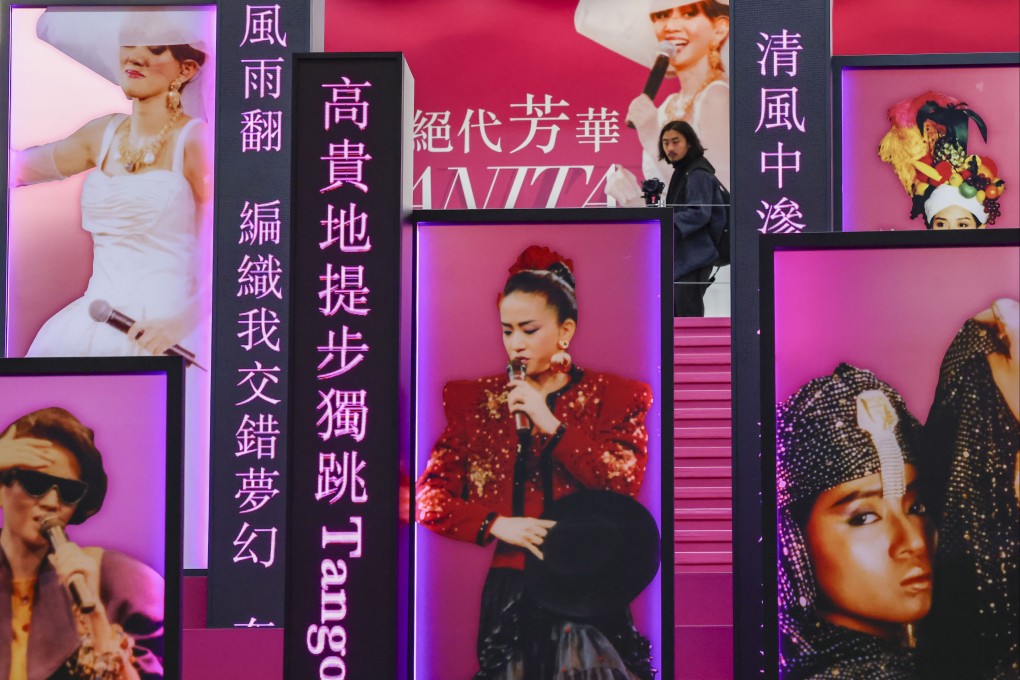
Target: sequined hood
point(835, 429)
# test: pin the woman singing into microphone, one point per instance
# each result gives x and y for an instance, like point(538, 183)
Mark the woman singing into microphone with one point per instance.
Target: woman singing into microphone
point(142, 202)
point(511, 447)
point(51, 474)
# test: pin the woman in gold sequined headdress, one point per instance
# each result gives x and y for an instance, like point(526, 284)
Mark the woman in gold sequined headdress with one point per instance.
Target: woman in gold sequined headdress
point(973, 451)
point(855, 542)
point(513, 446)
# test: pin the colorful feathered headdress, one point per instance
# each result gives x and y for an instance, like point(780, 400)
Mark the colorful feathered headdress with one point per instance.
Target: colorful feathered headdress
point(927, 147)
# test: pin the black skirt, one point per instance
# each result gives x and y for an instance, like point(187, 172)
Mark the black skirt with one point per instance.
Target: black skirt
point(519, 640)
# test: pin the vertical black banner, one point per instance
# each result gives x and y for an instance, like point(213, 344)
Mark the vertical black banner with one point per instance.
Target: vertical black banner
point(248, 464)
point(781, 184)
point(350, 179)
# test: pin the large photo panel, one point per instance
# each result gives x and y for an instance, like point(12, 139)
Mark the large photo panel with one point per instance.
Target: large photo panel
point(462, 268)
point(109, 222)
point(896, 439)
point(90, 456)
point(908, 125)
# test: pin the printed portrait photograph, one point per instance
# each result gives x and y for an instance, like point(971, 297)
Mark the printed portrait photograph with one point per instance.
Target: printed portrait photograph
point(109, 221)
point(929, 148)
point(538, 449)
point(897, 459)
point(84, 558)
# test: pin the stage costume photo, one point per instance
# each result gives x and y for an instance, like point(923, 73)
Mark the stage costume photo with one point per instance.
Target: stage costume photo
point(145, 202)
point(973, 433)
point(692, 38)
point(855, 539)
point(142, 203)
point(67, 611)
point(927, 148)
point(516, 443)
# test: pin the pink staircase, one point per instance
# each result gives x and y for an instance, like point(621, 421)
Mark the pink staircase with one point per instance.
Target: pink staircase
point(702, 499)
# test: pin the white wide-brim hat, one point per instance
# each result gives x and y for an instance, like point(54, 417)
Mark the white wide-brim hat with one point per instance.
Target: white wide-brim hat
point(625, 26)
point(946, 195)
point(93, 36)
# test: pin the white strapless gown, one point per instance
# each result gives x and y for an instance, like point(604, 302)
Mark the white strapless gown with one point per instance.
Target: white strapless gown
point(144, 257)
point(144, 265)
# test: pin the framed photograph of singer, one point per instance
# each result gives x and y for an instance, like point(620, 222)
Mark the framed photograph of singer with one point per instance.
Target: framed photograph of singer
point(90, 491)
point(543, 505)
point(896, 429)
point(109, 193)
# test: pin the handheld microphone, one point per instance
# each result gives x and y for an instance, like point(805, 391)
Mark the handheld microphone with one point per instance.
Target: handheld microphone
point(664, 51)
point(518, 370)
point(103, 312)
point(53, 529)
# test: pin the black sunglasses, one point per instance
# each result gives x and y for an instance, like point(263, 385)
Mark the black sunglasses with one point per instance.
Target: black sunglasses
point(38, 484)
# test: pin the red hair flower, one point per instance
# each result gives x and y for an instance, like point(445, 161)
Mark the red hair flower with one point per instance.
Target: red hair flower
point(539, 258)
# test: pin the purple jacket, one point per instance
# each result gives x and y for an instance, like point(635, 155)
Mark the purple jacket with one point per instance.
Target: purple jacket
point(132, 594)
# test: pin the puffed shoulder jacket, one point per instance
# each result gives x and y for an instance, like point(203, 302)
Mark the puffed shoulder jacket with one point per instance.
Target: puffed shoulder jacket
point(475, 475)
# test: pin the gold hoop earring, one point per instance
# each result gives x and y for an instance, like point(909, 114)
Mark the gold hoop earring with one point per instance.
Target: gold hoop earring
point(173, 97)
point(714, 56)
point(561, 361)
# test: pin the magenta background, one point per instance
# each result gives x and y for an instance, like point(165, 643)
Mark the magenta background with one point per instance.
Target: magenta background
point(893, 311)
point(487, 55)
point(873, 197)
point(923, 27)
point(49, 257)
point(128, 415)
point(461, 270)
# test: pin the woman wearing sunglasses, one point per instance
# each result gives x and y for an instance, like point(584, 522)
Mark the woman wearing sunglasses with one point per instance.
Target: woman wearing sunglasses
point(51, 474)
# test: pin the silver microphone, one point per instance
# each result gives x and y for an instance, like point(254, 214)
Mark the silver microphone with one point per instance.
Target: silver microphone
point(53, 529)
point(518, 370)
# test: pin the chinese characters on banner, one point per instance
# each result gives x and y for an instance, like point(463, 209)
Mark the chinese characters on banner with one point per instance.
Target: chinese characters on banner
point(778, 111)
point(781, 184)
point(543, 122)
point(782, 150)
point(349, 119)
point(249, 466)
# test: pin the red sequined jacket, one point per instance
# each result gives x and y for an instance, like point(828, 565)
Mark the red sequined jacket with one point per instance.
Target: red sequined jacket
point(471, 474)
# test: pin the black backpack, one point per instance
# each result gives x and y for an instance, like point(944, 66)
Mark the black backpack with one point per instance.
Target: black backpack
point(722, 239)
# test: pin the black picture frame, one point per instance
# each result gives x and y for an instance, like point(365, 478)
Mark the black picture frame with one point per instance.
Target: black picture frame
point(890, 61)
point(171, 369)
point(551, 219)
point(821, 242)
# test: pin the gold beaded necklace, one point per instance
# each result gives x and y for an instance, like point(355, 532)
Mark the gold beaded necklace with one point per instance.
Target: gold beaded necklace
point(135, 158)
point(676, 111)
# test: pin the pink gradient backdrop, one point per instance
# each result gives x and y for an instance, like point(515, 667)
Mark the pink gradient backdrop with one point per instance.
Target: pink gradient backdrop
point(49, 259)
point(461, 271)
point(128, 415)
point(873, 198)
point(893, 311)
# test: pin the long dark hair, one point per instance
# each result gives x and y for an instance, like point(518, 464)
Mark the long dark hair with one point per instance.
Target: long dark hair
point(694, 147)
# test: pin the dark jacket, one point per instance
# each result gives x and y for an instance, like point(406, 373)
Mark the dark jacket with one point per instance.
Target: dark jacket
point(699, 215)
point(132, 594)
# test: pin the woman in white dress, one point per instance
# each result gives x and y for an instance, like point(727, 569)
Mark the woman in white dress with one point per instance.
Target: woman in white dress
point(142, 203)
point(697, 33)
